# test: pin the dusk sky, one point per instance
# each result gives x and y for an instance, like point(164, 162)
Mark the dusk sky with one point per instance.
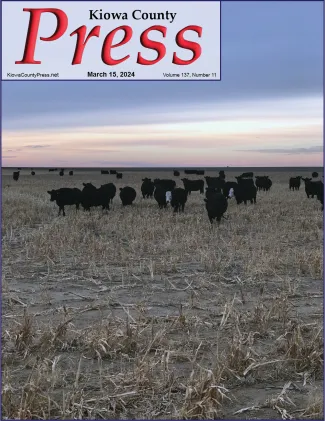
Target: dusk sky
point(266, 111)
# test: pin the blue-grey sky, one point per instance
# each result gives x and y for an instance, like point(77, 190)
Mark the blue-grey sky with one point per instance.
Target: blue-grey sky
point(270, 98)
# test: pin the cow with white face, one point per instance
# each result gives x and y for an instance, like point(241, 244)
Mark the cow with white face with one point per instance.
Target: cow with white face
point(168, 196)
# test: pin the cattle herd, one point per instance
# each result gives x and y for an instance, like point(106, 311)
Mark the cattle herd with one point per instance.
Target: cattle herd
point(217, 191)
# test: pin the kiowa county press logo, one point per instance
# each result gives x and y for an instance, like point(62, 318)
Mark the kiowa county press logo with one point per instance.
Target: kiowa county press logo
point(153, 40)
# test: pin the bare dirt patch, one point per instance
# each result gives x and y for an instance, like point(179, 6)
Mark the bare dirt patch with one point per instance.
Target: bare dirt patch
point(139, 313)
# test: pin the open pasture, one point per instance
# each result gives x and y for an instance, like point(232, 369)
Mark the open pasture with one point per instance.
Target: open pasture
point(137, 312)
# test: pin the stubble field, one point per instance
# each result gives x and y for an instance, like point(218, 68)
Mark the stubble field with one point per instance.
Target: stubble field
point(139, 313)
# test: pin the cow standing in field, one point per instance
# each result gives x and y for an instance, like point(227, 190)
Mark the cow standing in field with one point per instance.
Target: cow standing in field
point(226, 189)
point(263, 182)
point(259, 182)
point(160, 195)
point(216, 205)
point(222, 175)
point(112, 171)
point(189, 172)
point(267, 183)
point(127, 195)
point(315, 187)
point(61, 173)
point(193, 185)
point(104, 172)
point(294, 183)
point(310, 187)
point(70, 172)
point(32, 172)
point(178, 199)
point(119, 175)
point(176, 173)
point(91, 196)
point(147, 188)
point(245, 190)
point(64, 197)
point(168, 185)
point(108, 190)
point(15, 175)
point(247, 175)
point(210, 191)
point(216, 182)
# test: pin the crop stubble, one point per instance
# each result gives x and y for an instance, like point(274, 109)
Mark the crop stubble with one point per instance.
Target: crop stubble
point(139, 313)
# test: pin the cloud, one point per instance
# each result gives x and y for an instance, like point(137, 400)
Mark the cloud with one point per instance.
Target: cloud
point(280, 108)
point(36, 146)
point(11, 150)
point(286, 151)
point(214, 134)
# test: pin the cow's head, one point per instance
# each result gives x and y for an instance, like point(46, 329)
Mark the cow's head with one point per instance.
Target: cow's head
point(53, 194)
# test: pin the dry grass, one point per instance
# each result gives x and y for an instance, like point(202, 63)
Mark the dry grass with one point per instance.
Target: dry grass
point(139, 313)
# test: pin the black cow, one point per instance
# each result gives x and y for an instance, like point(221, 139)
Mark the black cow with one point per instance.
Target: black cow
point(119, 175)
point(15, 175)
point(188, 172)
point(147, 188)
point(311, 187)
point(315, 174)
point(61, 173)
point(52, 169)
point(108, 189)
point(179, 198)
point(268, 183)
point(176, 173)
point(112, 171)
point(294, 183)
point(259, 182)
point(193, 185)
point(222, 175)
point(104, 172)
point(263, 182)
point(215, 182)
point(127, 195)
point(200, 172)
point(66, 196)
point(32, 172)
point(210, 191)
point(168, 185)
point(70, 172)
point(216, 205)
point(160, 196)
point(247, 175)
point(245, 190)
point(91, 196)
point(229, 185)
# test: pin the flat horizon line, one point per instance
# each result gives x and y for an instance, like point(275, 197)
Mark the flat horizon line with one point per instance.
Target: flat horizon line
point(166, 168)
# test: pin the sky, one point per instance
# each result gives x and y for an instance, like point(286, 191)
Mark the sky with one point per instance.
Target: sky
point(266, 111)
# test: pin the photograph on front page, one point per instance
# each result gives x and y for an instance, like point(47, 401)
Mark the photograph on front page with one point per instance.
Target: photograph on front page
point(162, 210)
